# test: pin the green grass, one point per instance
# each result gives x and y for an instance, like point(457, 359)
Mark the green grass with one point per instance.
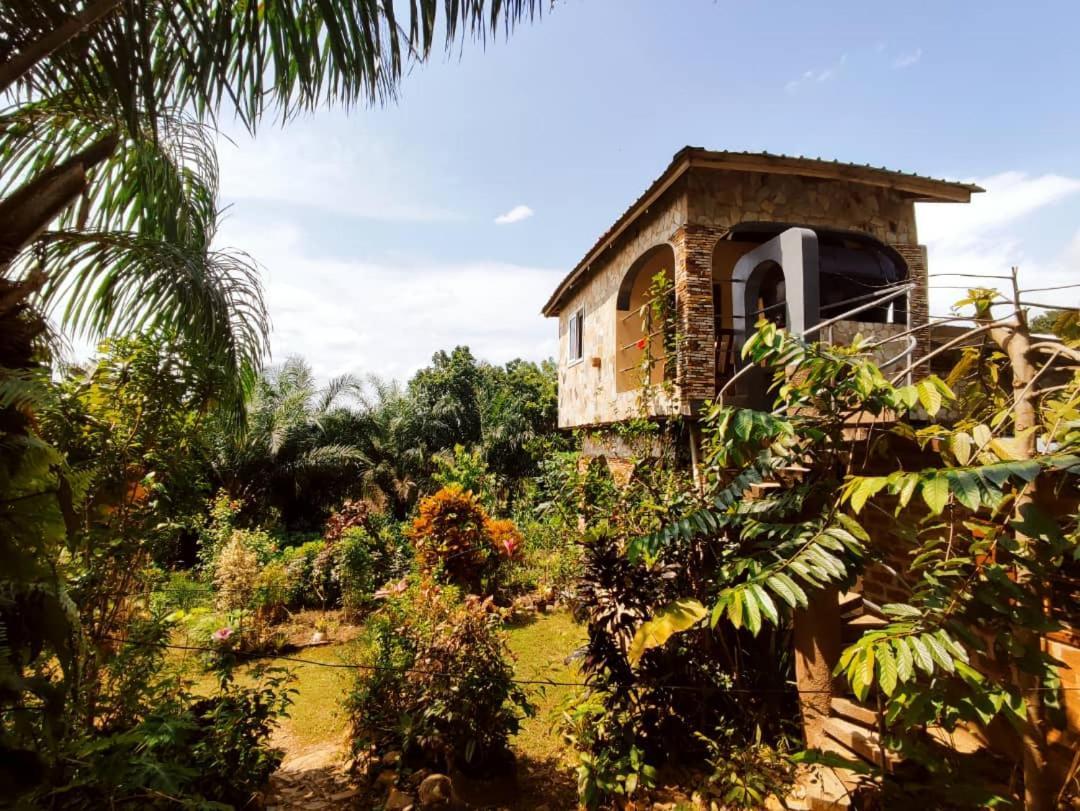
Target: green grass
point(317, 715)
point(541, 648)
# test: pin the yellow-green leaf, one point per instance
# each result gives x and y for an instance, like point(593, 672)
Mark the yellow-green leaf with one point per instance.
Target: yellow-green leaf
point(680, 616)
point(935, 492)
point(929, 396)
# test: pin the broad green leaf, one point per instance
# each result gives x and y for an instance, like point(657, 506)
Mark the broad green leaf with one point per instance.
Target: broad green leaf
point(768, 607)
point(864, 674)
point(886, 670)
point(921, 654)
point(672, 619)
point(965, 487)
point(853, 526)
point(907, 490)
point(866, 487)
point(961, 445)
point(935, 492)
point(937, 650)
point(753, 611)
point(905, 665)
point(787, 590)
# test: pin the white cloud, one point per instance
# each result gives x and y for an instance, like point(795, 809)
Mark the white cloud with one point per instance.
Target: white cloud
point(388, 318)
point(906, 60)
point(987, 237)
point(332, 168)
point(516, 214)
point(816, 76)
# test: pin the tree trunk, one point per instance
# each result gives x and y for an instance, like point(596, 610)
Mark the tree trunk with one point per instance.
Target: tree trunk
point(1015, 341)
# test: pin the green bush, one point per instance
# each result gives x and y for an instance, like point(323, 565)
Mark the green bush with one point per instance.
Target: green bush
point(310, 570)
point(211, 750)
point(270, 597)
point(439, 688)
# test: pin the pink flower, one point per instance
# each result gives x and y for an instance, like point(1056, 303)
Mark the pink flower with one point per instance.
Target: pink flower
point(221, 634)
point(391, 590)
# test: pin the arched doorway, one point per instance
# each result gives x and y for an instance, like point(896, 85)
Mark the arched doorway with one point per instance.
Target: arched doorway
point(641, 348)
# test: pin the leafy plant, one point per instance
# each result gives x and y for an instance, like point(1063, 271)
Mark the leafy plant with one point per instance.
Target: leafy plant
point(435, 683)
point(451, 539)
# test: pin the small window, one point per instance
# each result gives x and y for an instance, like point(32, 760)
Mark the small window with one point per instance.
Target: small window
point(576, 320)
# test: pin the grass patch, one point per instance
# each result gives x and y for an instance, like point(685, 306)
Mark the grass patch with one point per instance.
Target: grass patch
point(541, 648)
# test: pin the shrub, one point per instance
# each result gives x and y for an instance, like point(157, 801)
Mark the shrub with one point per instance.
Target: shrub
point(506, 539)
point(208, 749)
point(350, 515)
point(440, 687)
point(235, 571)
point(310, 569)
point(271, 592)
point(451, 540)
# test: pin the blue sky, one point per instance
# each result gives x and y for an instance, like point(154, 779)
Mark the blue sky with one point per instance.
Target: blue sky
point(377, 230)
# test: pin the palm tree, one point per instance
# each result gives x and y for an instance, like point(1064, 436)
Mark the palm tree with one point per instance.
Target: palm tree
point(108, 207)
point(98, 96)
point(300, 454)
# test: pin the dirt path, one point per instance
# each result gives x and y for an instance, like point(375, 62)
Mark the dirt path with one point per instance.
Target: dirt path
point(312, 777)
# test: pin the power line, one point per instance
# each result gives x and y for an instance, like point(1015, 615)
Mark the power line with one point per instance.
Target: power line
point(543, 682)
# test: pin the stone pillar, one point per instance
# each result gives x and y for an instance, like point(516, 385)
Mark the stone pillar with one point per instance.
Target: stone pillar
point(696, 369)
point(919, 298)
point(817, 650)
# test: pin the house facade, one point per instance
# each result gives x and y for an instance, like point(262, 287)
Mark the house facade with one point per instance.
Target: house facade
point(739, 235)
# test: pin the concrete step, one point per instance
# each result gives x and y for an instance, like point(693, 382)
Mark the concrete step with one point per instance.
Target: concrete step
point(853, 629)
point(860, 740)
point(856, 713)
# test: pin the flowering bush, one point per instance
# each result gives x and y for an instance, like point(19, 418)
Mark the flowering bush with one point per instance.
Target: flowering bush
point(451, 539)
point(505, 538)
point(439, 688)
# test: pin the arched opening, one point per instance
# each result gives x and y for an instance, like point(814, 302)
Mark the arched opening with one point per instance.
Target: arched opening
point(852, 268)
point(640, 331)
point(725, 254)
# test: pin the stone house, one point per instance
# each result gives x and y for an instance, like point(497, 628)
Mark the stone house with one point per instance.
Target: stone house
point(799, 240)
point(823, 248)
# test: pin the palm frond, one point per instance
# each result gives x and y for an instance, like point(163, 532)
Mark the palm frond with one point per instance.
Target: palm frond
point(107, 283)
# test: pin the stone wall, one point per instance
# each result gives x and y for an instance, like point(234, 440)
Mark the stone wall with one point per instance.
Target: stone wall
point(843, 333)
point(691, 217)
point(587, 389)
point(723, 199)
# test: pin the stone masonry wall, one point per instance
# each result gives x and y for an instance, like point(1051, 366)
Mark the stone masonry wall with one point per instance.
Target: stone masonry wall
point(587, 392)
point(693, 295)
point(724, 199)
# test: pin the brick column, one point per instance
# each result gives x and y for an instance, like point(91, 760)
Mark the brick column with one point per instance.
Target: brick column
point(919, 298)
point(696, 367)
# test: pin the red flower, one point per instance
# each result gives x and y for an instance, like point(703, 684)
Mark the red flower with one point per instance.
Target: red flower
point(641, 344)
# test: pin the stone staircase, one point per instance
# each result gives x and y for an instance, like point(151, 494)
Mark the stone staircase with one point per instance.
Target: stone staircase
point(853, 730)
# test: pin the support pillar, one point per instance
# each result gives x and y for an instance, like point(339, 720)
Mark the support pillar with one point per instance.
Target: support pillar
point(817, 650)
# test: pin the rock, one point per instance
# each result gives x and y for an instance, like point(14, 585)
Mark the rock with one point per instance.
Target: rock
point(398, 800)
point(417, 777)
point(344, 795)
point(386, 778)
point(318, 638)
point(436, 791)
point(391, 759)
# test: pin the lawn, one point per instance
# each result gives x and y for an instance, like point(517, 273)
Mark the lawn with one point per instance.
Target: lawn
point(540, 649)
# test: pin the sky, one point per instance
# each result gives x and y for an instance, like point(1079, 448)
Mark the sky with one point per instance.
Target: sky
point(449, 216)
